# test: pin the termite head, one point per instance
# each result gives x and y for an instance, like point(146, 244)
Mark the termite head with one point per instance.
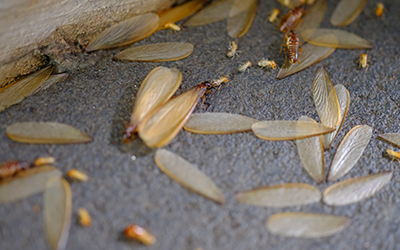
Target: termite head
point(128, 136)
point(364, 56)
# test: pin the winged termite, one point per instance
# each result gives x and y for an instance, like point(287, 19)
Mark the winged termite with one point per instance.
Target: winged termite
point(355, 189)
point(285, 195)
point(325, 99)
point(347, 11)
point(232, 50)
point(393, 138)
point(244, 67)
point(216, 11)
point(14, 93)
point(77, 175)
point(178, 13)
point(172, 26)
point(313, 19)
point(46, 133)
point(306, 225)
point(344, 39)
point(280, 130)
point(344, 101)
point(140, 234)
point(311, 152)
point(51, 80)
point(311, 55)
point(57, 208)
point(84, 217)
point(157, 88)
point(218, 123)
point(26, 183)
point(241, 16)
point(274, 15)
point(290, 20)
point(363, 62)
point(11, 168)
point(125, 32)
point(163, 124)
point(349, 151)
point(292, 47)
point(158, 52)
point(266, 63)
point(187, 175)
point(44, 161)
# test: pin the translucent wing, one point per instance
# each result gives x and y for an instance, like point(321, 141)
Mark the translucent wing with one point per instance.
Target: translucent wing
point(311, 152)
point(311, 55)
point(344, 39)
point(125, 32)
point(218, 123)
point(241, 17)
point(158, 52)
point(286, 195)
point(306, 225)
point(180, 12)
point(344, 101)
point(46, 133)
point(288, 130)
point(349, 151)
point(27, 183)
point(187, 175)
point(355, 189)
point(17, 91)
point(164, 123)
point(325, 99)
point(57, 206)
point(393, 138)
point(157, 88)
point(347, 11)
point(313, 18)
point(216, 11)
point(51, 80)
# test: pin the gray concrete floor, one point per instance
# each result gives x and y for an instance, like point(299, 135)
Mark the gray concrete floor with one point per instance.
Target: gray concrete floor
point(122, 191)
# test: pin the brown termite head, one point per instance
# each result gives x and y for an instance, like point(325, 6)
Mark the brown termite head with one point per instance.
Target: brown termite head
point(232, 50)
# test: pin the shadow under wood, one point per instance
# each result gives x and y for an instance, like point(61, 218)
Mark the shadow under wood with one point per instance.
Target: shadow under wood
point(122, 116)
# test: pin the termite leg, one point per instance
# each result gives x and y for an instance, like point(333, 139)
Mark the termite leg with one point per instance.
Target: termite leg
point(203, 99)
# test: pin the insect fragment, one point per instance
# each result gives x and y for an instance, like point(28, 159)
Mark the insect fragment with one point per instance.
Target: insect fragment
point(77, 175)
point(380, 8)
point(265, 63)
point(44, 161)
point(140, 234)
point(10, 168)
point(292, 47)
point(291, 19)
point(363, 62)
point(244, 67)
point(84, 217)
point(172, 26)
point(393, 154)
point(273, 15)
point(232, 50)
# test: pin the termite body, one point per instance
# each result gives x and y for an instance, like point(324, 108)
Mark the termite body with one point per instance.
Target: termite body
point(172, 26)
point(140, 234)
point(273, 16)
point(292, 47)
point(380, 9)
point(266, 63)
point(291, 19)
point(10, 168)
point(363, 62)
point(232, 50)
point(244, 67)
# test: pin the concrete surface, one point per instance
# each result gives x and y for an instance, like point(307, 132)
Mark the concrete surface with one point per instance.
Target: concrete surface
point(122, 191)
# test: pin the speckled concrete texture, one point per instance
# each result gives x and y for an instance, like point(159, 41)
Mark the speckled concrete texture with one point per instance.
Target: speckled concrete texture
point(122, 191)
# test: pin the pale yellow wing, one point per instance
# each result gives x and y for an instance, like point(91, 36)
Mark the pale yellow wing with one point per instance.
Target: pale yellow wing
point(57, 208)
point(326, 38)
point(17, 91)
point(285, 195)
point(125, 32)
point(306, 225)
point(393, 138)
point(188, 175)
point(27, 183)
point(347, 11)
point(164, 123)
point(241, 17)
point(180, 12)
point(51, 80)
point(157, 88)
point(313, 17)
point(46, 133)
point(216, 11)
point(355, 189)
point(158, 52)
